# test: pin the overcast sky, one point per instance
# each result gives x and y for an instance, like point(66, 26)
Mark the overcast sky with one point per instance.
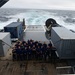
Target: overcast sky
point(41, 4)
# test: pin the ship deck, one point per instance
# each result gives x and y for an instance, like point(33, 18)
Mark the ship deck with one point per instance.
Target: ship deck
point(28, 67)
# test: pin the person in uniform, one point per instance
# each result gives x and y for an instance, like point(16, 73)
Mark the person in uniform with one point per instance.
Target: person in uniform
point(33, 52)
point(31, 44)
point(48, 53)
point(50, 44)
point(18, 51)
point(25, 53)
point(14, 55)
point(39, 44)
point(38, 53)
point(29, 53)
point(23, 42)
point(45, 45)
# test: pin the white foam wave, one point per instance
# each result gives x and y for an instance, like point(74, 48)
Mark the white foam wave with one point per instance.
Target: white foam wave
point(38, 18)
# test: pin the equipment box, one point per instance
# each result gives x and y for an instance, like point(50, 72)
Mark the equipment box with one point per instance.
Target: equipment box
point(64, 41)
point(15, 29)
point(5, 43)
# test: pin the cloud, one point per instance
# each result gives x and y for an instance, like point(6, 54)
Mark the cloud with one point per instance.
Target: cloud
point(41, 4)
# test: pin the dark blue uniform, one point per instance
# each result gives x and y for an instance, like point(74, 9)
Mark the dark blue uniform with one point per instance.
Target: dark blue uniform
point(18, 52)
point(17, 45)
point(25, 53)
point(50, 44)
point(34, 52)
point(42, 52)
point(29, 52)
point(23, 42)
point(45, 45)
point(38, 52)
point(48, 53)
point(14, 54)
point(39, 44)
point(53, 55)
point(31, 45)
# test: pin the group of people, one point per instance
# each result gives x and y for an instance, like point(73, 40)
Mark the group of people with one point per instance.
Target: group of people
point(27, 50)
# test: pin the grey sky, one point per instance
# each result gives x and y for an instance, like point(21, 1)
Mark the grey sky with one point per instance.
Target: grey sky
point(41, 4)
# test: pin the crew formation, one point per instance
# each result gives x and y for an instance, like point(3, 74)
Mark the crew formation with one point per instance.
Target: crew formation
point(28, 50)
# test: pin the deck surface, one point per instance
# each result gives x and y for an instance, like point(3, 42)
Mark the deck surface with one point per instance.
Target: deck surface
point(26, 68)
point(32, 67)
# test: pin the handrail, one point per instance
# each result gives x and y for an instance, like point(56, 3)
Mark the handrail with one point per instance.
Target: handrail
point(63, 67)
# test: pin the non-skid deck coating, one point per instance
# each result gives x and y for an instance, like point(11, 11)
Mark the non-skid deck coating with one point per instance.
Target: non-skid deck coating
point(32, 67)
point(26, 68)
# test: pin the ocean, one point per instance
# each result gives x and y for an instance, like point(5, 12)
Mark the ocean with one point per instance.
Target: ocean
point(64, 18)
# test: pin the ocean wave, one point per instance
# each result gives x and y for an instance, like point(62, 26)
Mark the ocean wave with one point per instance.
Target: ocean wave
point(70, 20)
point(38, 17)
point(4, 19)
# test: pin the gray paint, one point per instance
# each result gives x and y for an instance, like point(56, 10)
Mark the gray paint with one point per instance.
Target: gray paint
point(8, 41)
point(35, 33)
point(64, 41)
point(39, 36)
point(14, 24)
point(56, 40)
point(20, 30)
point(1, 49)
point(15, 29)
point(4, 47)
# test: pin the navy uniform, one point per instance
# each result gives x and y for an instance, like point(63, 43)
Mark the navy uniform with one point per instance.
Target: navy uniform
point(48, 53)
point(25, 53)
point(18, 42)
point(28, 42)
point(42, 52)
point(31, 44)
point(38, 52)
point(45, 54)
point(45, 45)
point(50, 44)
point(53, 54)
point(45, 51)
point(17, 45)
point(14, 53)
point(36, 45)
point(29, 53)
point(22, 47)
point(41, 47)
point(31, 40)
point(19, 52)
point(23, 42)
point(39, 44)
point(33, 51)
point(25, 45)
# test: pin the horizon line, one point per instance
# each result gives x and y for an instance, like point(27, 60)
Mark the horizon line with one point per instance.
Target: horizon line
point(38, 8)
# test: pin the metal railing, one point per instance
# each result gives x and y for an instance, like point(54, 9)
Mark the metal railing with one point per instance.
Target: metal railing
point(65, 70)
